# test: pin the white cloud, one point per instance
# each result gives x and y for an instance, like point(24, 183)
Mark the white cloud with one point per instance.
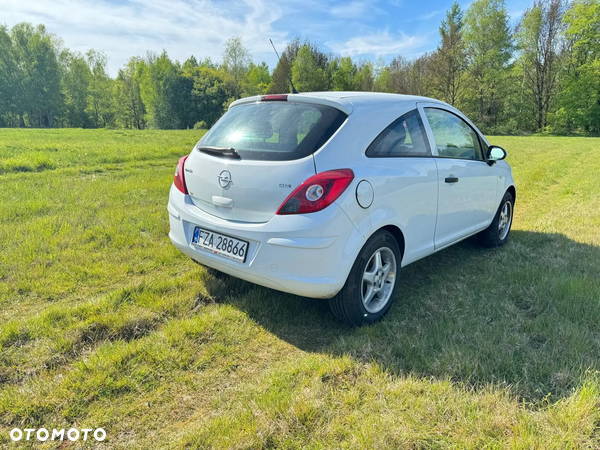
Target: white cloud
point(125, 29)
point(353, 10)
point(379, 44)
point(430, 15)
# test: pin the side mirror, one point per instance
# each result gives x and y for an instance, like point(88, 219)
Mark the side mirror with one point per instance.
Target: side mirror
point(495, 153)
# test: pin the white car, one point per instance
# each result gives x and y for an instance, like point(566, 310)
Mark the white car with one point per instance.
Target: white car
point(329, 194)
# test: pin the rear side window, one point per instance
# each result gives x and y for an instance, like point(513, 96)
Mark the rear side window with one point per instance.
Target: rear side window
point(404, 137)
point(275, 131)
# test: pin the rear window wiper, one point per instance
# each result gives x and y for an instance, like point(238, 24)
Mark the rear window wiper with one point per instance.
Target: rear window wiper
point(228, 152)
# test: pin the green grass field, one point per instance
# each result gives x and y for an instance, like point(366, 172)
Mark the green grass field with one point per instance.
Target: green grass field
point(104, 324)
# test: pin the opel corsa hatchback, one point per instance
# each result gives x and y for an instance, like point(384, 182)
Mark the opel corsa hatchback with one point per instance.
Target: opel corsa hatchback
point(330, 194)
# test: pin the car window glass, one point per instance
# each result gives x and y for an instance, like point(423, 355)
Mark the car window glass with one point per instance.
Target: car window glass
point(454, 138)
point(404, 137)
point(280, 131)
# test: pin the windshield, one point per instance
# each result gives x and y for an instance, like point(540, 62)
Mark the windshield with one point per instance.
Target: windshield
point(275, 131)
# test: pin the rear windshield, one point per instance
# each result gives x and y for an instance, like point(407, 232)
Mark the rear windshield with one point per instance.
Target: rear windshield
point(276, 130)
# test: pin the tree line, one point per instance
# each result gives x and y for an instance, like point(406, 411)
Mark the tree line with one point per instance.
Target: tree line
point(542, 75)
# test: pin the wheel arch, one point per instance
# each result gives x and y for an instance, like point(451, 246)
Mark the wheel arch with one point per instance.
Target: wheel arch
point(513, 192)
point(398, 235)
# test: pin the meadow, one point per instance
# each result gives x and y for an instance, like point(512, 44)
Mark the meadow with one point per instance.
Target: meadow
point(104, 324)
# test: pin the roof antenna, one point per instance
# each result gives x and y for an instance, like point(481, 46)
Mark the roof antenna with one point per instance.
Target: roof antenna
point(294, 91)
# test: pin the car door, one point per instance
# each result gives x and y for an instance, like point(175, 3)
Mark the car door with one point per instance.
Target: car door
point(467, 185)
point(404, 177)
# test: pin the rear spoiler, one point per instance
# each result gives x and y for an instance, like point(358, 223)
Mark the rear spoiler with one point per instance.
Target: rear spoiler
point(342, 104)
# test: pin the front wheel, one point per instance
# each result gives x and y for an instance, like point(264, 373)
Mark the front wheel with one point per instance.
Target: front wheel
point(497, 233)
point(369, 291)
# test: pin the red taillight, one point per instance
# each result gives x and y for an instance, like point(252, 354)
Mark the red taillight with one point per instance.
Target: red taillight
point(179, 180)
point(317, 193)
point(274, 98)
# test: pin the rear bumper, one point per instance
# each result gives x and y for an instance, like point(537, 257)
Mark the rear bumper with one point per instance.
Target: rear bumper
point(309, 255)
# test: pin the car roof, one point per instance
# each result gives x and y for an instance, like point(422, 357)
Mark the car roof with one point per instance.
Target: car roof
point(347, 100)
point(368, 96)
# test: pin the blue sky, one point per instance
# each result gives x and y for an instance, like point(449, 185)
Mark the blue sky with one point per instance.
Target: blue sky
point(123, 28)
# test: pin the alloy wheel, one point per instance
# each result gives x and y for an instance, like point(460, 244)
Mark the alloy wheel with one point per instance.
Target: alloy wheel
point(378, 280)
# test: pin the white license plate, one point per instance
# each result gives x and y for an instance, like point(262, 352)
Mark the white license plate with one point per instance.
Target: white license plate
point(220, 244)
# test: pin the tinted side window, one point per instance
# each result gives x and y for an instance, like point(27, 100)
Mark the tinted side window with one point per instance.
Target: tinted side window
point(404, 137)
point(454, 138)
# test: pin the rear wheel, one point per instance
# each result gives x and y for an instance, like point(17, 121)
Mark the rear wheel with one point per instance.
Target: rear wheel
point(497, 233)
point(371, 285)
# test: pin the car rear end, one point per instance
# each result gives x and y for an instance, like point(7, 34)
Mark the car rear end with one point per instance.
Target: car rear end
point(247, 201)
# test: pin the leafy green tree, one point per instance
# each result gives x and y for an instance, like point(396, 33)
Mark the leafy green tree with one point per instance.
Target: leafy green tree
point(190, 63)
point(75, 80)
point(35, 81)
point(450, 58)
point(580, 93)
point(158, 84)
point(100, 101)
point(343, 75)
point(257, 80)
point(131, 111)
point(399, 69)
point(8, 79)
point(364, 78)
point(384, 82)
point(182, 101)
point(489, 50)
point(236, 61)
point(45, 80)
point(282, 74)
point(539, 41)
point(421, 75)
point(307, 77)
point(412, 77)
point(211, 93)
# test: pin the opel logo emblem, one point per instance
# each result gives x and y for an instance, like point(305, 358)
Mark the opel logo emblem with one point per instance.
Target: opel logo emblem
point(224, 178)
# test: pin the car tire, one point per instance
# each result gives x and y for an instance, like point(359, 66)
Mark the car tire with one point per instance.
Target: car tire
point(371, 285)
point(497, 233)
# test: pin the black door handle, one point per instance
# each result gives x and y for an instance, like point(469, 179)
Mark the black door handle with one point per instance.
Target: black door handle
point(451, 180)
